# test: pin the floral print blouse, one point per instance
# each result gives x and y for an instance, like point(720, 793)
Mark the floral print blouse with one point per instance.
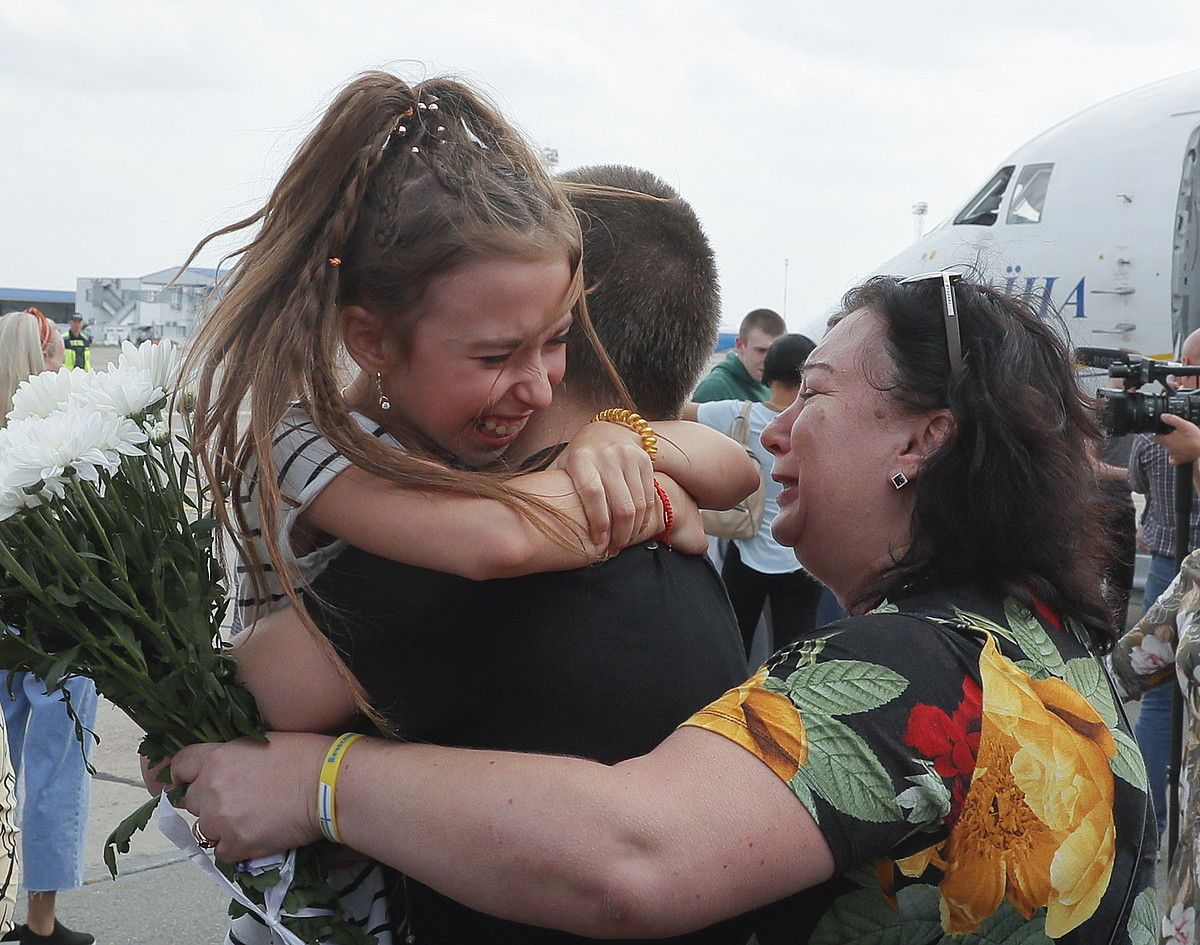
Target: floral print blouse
point(965, 759)
point(1165, 644)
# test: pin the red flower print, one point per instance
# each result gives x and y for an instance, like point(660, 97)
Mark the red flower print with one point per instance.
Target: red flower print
point(951, 741)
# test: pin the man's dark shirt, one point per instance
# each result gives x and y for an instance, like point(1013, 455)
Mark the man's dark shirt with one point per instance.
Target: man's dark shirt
point(602, 662)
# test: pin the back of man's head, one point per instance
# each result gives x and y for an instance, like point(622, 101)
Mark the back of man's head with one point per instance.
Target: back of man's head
point(1189, 352)
point(652, 290)
point(769, 322)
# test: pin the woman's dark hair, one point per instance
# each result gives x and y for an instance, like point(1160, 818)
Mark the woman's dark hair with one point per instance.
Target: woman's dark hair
point(1008, 502)
point(785, 359)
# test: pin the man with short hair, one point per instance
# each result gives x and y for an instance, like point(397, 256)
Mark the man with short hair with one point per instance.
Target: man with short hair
point(602, 662)
point(739, 376)
point(78, 344)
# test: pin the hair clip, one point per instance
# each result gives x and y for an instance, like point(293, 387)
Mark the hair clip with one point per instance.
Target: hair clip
point(433, 106)
point(415, 149)
point(421, 106)
point(407, 113)
point(335, 261)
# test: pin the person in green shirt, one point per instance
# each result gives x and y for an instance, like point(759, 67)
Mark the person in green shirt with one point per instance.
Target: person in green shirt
point(78, 344)
point(739, 376)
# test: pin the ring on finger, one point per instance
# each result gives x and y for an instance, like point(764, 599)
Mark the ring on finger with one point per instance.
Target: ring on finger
point(201, 840)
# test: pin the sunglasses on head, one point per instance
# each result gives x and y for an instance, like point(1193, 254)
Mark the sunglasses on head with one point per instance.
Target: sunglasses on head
point(949, 310)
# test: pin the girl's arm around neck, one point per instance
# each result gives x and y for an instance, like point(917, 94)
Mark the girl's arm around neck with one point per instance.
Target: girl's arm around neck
point(470, 536)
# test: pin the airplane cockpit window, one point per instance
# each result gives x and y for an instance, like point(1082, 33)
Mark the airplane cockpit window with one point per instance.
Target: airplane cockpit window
point(1030, 194)
point(985, 205)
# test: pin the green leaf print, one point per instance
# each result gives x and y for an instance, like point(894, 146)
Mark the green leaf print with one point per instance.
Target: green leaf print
point(1086, 675)
point(1030, 637)
point(1143, 919)
point(864, 917)
point(927, 802)
point(1127, 763)
point(805, 794)
point(843, 770)
point(843, 687)
point(886, 607)
point(1032, 669)
point(1005, 926)
point(980, 622)
point(808, 651)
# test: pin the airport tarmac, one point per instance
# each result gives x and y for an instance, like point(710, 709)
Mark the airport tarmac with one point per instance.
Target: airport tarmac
point(158, 897)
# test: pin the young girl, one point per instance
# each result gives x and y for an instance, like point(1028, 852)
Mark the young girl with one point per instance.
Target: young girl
point(416, 231)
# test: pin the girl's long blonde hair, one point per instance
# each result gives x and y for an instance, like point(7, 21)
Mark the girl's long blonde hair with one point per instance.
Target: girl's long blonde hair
point(20, 355)
point(395, 186)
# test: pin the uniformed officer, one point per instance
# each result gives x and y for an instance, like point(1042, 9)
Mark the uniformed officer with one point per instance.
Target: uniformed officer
point(78, 344)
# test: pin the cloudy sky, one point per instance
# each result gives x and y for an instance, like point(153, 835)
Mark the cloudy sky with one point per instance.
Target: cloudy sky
point(798, 131)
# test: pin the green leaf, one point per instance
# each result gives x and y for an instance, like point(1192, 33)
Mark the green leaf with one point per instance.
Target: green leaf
point(843, 770)
point(887, 607)
point(1143, 918)
point(777, 685)
point(1005, 926)
point(59, 668)
point(62, 597)
point(1127, 763)
point(1030, 637)
point(118, 840)
point(864, 917)
point(1087, 675)
point(105, 599)
point(843, 687)
point(259, 881)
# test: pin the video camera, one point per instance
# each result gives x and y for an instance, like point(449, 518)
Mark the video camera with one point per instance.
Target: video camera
point(1129, 410)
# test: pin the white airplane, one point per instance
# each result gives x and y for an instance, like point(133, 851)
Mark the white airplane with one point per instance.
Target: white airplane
point(1098, 217)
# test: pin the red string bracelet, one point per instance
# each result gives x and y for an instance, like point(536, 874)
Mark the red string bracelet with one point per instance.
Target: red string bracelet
point(668, 514)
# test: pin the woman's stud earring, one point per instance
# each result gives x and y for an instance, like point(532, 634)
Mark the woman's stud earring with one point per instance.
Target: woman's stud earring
point(899, 480)
point(384, 403)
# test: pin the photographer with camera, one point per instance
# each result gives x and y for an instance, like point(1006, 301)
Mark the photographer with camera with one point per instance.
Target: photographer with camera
point(1151, 472)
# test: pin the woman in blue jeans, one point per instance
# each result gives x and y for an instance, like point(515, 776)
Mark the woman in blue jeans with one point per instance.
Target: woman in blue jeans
point(54, 787)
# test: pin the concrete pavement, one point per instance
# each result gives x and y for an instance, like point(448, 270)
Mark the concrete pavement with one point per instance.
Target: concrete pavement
point(158, 897)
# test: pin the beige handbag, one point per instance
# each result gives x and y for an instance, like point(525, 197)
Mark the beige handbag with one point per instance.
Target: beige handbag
point(741, 521)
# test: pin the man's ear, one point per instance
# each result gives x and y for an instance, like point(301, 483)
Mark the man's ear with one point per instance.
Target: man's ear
point(739, 344)
point(367, 339)
point(927, 434)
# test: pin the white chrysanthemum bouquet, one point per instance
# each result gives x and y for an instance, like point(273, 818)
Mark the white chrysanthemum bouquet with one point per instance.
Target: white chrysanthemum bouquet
point(108, 570)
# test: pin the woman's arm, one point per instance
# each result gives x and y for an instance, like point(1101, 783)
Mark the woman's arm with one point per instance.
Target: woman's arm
point(1145, 655)
point(696, 831)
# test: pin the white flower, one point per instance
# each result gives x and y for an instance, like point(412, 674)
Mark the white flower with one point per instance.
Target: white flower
point(159, 431)
point(125, 391)
point(1151, 655)
point(42, 394)
point(40, 455)
point(159, 363)
point(1177, 925)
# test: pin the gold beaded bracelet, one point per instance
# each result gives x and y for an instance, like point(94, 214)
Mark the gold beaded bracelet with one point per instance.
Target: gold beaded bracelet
point(635, 422)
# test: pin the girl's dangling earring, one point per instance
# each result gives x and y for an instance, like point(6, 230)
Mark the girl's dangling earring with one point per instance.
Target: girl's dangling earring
point(384, 403)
